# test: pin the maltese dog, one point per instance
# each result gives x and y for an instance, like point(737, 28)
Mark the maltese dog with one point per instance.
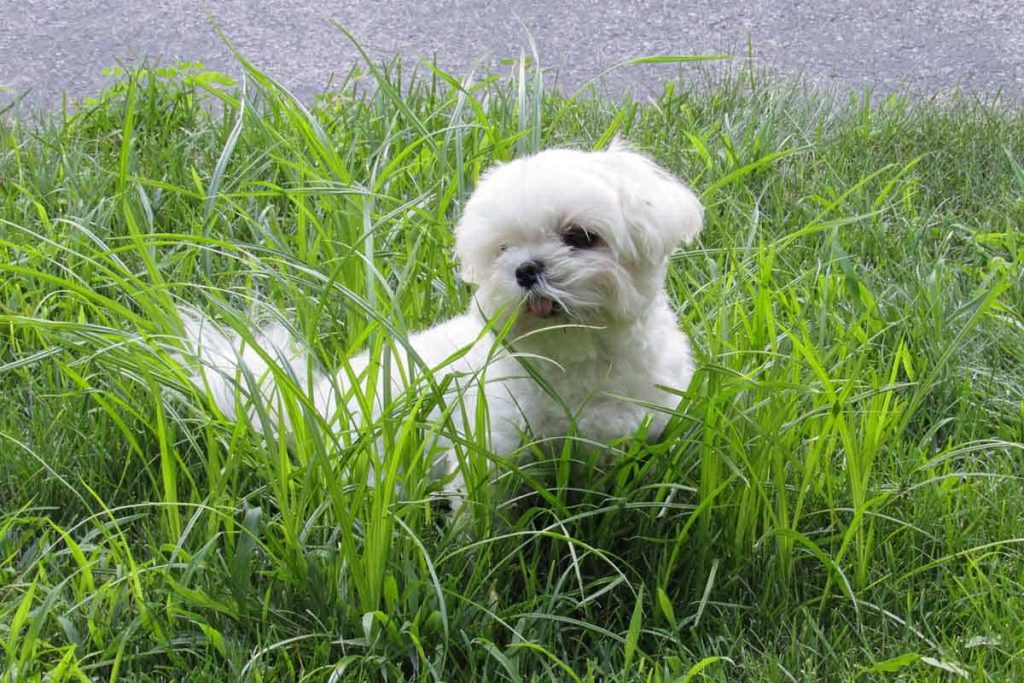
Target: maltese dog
point(570, 331)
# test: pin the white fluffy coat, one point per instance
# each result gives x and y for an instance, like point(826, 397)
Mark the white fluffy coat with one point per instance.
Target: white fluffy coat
point(596, 324)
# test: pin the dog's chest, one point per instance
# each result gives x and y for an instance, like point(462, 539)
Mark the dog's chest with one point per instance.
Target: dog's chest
point(598, 401)
point(607, 391)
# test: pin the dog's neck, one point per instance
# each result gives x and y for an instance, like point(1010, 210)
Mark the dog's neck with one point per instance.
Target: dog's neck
point(572, 345)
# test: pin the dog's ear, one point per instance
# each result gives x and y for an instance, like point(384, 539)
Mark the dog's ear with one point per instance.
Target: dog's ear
point(470, 247)
point(620, 144)
point(474, 240)
point(661, 210)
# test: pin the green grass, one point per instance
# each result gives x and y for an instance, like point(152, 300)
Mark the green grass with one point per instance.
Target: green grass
point(840, 498)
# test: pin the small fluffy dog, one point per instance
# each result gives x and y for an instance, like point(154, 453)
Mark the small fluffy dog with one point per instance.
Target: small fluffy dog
point(570, 330)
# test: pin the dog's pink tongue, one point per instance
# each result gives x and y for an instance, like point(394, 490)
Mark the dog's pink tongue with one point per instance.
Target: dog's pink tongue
point(541, 306)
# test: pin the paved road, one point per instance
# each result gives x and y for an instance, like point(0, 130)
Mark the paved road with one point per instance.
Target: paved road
point(50, 46)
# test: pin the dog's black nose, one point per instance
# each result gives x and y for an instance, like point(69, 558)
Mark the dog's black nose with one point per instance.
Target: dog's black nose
point(528, 273)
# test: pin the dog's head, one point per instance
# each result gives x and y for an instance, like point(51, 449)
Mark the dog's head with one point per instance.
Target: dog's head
point(566, 236)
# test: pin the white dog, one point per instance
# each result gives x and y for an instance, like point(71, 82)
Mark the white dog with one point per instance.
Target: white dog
point(570, 329)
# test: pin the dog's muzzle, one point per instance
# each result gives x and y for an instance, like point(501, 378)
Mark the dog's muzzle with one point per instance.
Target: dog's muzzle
point(528, 273)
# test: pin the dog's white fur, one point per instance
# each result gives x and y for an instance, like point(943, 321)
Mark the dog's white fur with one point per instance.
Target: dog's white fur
point(597, 326)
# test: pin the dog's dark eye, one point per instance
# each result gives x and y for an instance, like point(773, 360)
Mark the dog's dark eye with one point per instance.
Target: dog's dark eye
point(579, 237)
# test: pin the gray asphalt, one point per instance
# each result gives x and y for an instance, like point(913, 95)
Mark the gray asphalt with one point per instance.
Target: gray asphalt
point(52, 46)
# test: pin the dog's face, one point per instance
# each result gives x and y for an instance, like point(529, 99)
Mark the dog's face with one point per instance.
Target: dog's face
point(566, 237)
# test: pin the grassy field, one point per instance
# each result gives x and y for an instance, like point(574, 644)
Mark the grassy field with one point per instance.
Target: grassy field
point(841, 496)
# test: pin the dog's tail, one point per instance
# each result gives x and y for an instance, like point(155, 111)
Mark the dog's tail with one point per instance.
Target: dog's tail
point(259, 375)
